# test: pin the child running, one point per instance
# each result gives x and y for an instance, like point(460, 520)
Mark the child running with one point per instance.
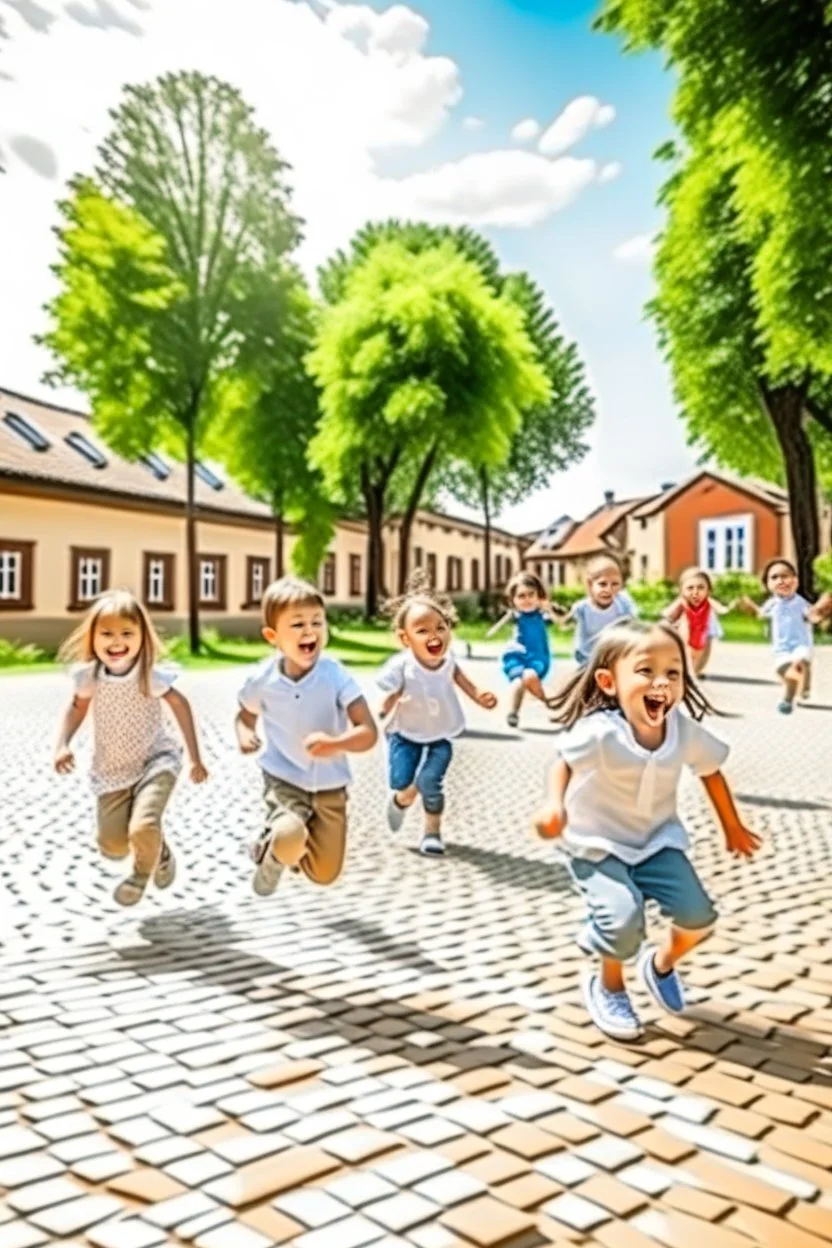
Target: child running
point(700, 611)
point(527, 659)
point(791, 619)
point(606, 601)
point(135, 759)
point(423, 708)
point(313, 713)
point(612, 803)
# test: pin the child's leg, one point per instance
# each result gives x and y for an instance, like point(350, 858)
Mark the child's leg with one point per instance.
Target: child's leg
point(532, 682)
point(615, 931)
point(285, 836)
point(806, 688)
point(791, 678)
point(150, 797)
point(327, 843)
point(517, 693)
point(431, 784)
point(699, 658)
point(113, 820)
point(669, 878)
point(403, 758)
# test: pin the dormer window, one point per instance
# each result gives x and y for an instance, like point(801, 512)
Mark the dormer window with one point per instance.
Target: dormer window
point(26, 430)
point(156, 465)
point(205, 474)
point(84, 447)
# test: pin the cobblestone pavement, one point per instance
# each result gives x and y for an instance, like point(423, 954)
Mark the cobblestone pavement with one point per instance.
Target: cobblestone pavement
point(405, 1059)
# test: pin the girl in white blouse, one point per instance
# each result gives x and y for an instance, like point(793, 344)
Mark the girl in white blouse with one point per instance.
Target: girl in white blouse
point(136, 759)
point(612, 804)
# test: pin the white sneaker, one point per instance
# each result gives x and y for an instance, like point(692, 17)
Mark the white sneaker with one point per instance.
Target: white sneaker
point(611, 1012)
point(269, 870)
point(165, 872)
point(395, 814)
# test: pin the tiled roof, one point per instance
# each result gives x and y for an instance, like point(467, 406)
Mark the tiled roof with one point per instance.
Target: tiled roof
point(774, 495)
point(588, 537)
point(62, 464)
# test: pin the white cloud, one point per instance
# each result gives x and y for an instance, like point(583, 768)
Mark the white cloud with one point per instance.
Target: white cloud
point(503, 188)
point(581, 115)
point(609, 172)
point(472, 124)
point(637, 250)
point(526, 130)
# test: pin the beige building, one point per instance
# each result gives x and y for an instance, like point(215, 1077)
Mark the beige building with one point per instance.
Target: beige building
point(76, 518)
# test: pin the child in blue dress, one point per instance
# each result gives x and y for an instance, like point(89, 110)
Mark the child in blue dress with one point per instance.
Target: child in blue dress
point(527, 658)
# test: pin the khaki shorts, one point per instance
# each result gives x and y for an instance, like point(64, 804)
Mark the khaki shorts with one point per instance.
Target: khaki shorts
point(131, 820)
point(307, 830)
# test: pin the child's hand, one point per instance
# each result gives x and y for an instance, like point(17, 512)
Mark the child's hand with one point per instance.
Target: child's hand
point(824, 604)
point(64, 760)
point(742, 841)
point(487, 700)
point(321, 745)
point(199, 772)
point(549, 822)
point(248, 739)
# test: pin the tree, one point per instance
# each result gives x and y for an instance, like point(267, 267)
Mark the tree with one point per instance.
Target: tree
point(417, 359)
point(265, 443)
point(754, 107)
point(186, 176)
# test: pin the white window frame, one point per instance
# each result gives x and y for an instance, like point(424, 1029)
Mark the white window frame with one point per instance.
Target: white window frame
point(206, 593)
point(90, 577)
point(720, 527)
point(156, 587)
point(11, 575)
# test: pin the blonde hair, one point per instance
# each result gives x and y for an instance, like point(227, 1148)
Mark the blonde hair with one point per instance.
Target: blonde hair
point(582, 695)
point(525, 580)
point(289, 591)
point(599, 563)
point(419, 591)
point(79, 647)
point(690, 573)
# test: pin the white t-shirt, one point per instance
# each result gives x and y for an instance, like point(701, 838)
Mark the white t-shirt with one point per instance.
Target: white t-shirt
point(132, 741)
point(790, 629)
point(591, 620)
point(429, 709)
point(291, 710)
point(621, 798)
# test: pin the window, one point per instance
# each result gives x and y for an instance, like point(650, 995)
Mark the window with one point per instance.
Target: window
point(156, 465)
point(475, 573)
point(508, 569)
point(355, 576)
point(26, 430)
point(644, 567)
point(212, 581)
point(418, 556)
point(431, 569)
point(498, 570)
point(453, 574)
point(726, 545)
point(89, 575)
point(84, 447)
point(538, 568)
point(158, 581)
point(257, 578)
point(550, 572)
point(328, 576)
point(16, 560)
point(561, 574)
point(205, 474)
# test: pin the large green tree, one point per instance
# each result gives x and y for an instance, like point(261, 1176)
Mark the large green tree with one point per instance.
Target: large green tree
point(417, 358)
point(748, 234)
point(189, 199)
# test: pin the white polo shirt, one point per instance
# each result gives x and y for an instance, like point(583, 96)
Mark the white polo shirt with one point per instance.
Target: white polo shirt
point(291, 710)
point(429, 708)
point(621, 798)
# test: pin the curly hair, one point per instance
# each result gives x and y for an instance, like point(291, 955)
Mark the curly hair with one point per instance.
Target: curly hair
point(419, 592)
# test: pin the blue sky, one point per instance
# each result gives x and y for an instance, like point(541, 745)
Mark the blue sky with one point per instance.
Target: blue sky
point(389, 109)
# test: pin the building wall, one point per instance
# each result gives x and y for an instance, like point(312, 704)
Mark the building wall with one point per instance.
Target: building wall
point(708, 500)
point(647, 547)
point(444, 540)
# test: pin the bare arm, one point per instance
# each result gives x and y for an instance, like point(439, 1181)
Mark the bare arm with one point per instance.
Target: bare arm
point(821, 609)
point(738, 838)
point(245, 725)
point(361, 735)
point(550, 820)
point(495, 628)
point(390, 702)
point(74, 717)
point(674, 612)
point(719, 608)
point(481, 697)
point(567, 620)
point(184, 717)
point(749, 607)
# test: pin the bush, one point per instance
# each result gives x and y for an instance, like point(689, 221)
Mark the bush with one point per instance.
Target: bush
point(566, 597)
point(731, 585)
point(652, 598)
point(16, 653)
point(823, 573)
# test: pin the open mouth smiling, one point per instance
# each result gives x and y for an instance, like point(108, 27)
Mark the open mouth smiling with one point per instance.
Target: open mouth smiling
point(308, 647)
point(655, 708)
point(435, 647)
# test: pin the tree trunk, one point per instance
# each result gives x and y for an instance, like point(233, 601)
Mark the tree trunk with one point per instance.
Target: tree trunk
point(190, 538)
point(374, 506)
point(785, 407)
point(486, 509)
point(410, 514)
point(279, 538)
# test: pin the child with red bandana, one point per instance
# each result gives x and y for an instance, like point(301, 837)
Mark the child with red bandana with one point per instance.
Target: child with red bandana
point(700, 612)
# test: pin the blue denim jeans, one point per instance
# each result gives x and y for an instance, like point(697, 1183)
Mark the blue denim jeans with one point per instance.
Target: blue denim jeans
point(616, 893)
point(410, 762)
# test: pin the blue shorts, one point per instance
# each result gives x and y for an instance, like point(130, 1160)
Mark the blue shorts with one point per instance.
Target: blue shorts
point(615, 893)
point(413, 762)
point(516, 662)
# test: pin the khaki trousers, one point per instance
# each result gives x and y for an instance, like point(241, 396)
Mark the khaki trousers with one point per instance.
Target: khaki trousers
point(308, 830)
point(131, 819)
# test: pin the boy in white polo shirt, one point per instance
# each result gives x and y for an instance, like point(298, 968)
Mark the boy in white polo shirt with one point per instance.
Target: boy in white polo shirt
point(313, 713)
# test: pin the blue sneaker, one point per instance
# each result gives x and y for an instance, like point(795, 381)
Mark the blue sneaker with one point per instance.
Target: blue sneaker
point(611, 1012)
point(785, 708)
point(666, 990)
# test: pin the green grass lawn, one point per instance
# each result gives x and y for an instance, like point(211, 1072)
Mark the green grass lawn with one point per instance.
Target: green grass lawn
point(368, 645)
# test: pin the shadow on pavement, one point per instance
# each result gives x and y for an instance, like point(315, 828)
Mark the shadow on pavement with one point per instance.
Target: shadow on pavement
point(780, 803)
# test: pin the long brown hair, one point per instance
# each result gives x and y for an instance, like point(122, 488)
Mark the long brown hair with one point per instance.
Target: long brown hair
point(582, 694)
point(79, 646)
